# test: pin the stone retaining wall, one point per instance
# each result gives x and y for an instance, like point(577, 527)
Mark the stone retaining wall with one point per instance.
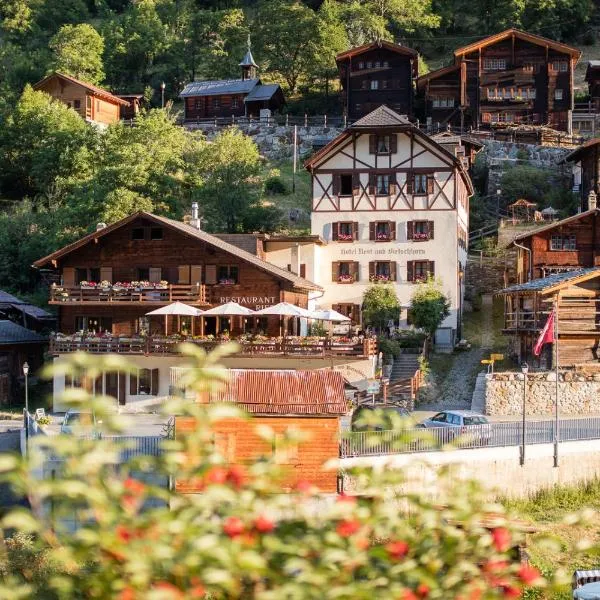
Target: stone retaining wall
point(578, 393)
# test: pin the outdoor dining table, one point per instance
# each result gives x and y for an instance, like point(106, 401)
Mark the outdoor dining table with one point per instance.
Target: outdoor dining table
point(589, 591)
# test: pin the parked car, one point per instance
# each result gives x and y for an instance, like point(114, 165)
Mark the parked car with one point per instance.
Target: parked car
point(382, 417)
point(454, 423)
point(83, 422)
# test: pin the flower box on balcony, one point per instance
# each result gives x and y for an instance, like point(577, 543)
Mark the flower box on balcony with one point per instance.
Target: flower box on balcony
point(383, 237)
point(420, 237)
point(379, 278)
point(227, 282)
point(345, 237)
point(346, 279)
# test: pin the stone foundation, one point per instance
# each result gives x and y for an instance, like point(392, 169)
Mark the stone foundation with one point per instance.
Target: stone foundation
point(578, 393)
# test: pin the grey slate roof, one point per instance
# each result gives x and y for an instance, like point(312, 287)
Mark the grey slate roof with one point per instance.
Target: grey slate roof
point(262, 92)
point(248, 60)
point(594, 63)
point(537, 285)
point(381, 117)
point(9, 301)
point(245, 241)
point(11, 333)
point(218, 87)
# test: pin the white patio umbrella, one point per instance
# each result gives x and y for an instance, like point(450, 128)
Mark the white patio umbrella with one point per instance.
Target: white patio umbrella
point(178, 309)
point(330, 315)
point(284, 309)
point(231, 309)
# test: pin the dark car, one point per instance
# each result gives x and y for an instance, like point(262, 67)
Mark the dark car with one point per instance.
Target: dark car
point(386, 417)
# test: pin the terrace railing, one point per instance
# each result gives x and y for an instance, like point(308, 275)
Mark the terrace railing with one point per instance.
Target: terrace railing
point(157, 295)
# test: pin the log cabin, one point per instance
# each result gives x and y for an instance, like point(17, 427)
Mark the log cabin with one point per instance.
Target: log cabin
point(135, 104)
point(512, 77)
point(576, 297)
point(226, 98)
point(376, 74)
point(310, 402)
point(585, 164)
point(93, 103)
point(592, 78)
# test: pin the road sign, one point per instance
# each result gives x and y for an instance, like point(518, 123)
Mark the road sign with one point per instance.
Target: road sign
point(497, 356)
point(373, 387)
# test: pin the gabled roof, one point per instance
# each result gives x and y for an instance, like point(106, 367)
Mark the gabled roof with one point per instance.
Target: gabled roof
point(554, 225)
point(546, 285)
point(285, 392)
point(192, 232)
point(106, 95)
point(373, 46)
point(437, 73)
point(572, 156)
point(381, 117)
point(263, 92)
point(11, 333)
point(523, 35)
point(218, 87)
point(9, 301)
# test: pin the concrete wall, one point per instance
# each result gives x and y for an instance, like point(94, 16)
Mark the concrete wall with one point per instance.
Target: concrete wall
point(496, 469)
point(578, 394)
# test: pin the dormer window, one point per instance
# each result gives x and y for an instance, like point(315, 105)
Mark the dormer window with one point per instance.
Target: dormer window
point(382, 144)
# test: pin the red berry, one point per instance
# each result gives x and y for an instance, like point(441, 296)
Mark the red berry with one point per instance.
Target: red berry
point(397, 550)
point(501, 538)
point(264, 525)
point(528, 574)
point(233, 527)
point(347, 528)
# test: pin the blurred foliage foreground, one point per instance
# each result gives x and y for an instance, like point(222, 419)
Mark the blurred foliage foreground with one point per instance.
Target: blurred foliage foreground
point(239, 538)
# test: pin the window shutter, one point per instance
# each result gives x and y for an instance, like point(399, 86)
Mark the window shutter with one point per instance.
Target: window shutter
point(336, 184)
point(289, 268)
point(335, 228)
point(335, 271)
point(393, 270)
point(393, 186)
point(372, 231)
point(133, 379)
point(430, 179)
point(68, 276)
point(430, 229)
point(354, 270)
point(155, 274)
point(154, 383)
point(410, 271)
point(106, 274)
point(355, 184)
point(372, 182)
point(409, 183)
point(335, 307)
point(356, 313)
point(410, 230)
point(372, 144)
point(432, 268)
point(303, 270)
point(183, 274)
point(122, 387)
point(393, 143)
point(196, 274)
point(355, 230)
point(211, 274)
point(393, 230)
point(371, 270)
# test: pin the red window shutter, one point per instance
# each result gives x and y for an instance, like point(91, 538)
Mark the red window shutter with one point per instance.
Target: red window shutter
point(355, 184)
point(372, 231)
point(355, 230)
point(393, 143)
point(334, 231)
point(410, 229)
point(372, 144)
point(431, 268)
point(303, 270)
point(336, 184)
point(371, 270)
point(393, 270)
point(430, 179)
point(410, 271)
point(430, 229)
point(372, 182)
point(335, 271)
point(409, 183)
point(393, 230)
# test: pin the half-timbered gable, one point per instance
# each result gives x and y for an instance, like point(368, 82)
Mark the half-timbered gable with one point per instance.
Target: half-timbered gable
point(394, 205)
point(376, 74)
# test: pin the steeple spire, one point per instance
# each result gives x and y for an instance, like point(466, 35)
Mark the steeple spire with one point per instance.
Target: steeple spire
point(248, 65)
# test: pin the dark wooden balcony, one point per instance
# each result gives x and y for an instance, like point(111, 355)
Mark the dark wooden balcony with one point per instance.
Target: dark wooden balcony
point(158, 345)
point(190, 294)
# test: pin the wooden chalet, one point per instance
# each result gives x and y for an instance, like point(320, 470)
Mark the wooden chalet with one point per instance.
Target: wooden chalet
point(225, 98)
point(376, 74)
point(592, 78)
point(585, 162)
point(135, 104)
point(310, 402)
point(26, 314)
point(567, 245)
point(576, 294)
point(464, 147)
point(93, 103)
point(512, 77)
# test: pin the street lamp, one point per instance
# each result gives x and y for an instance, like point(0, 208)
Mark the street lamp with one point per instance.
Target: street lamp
point(26, 412)
point(162, 94)
point(498, 194)
point(524, 370)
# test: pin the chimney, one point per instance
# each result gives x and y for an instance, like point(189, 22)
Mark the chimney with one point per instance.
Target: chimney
point(100, 226)
point(592, 200)
point(195, 220)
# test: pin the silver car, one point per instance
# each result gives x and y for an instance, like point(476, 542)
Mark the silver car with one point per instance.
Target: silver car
point(457, 423)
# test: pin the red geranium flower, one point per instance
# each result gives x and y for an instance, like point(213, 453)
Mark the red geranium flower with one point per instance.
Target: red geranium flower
point(127, 593)
point(217, 475)
point(493, 566)
point(528, 574)
point(165, 586)
point(264, 525)
point(362, 543)
point(397, 550)
point(347, 528)
point(123, 533)
point(197, 591)
point(423, 590)
point(237, 476)
point(510, 591)
point(233, 527)
point(501, 538)
point(408, 595)
point(304, 487)
point(134, 491)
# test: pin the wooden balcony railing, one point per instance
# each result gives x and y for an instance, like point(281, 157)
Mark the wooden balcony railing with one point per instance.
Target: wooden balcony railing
point(190, 294)
point(168, 346)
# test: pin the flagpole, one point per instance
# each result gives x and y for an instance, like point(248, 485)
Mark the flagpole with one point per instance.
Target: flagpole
point(556, 434)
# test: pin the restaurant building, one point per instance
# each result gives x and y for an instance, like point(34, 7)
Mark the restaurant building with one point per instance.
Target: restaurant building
point(393, 206)
point(109, 280)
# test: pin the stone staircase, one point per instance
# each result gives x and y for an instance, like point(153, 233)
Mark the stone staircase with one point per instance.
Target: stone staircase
point(403, 370)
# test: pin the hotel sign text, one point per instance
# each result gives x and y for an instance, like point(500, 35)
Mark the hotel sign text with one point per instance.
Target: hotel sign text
point(258, 302)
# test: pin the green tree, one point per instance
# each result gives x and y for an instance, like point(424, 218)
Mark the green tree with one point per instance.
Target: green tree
point(231, 185)
point(380, 305)
point(78, 52)
point(429, 306)
point(405, 15)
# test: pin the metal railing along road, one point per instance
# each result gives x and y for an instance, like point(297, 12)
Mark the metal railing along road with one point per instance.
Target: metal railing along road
point(501, 434)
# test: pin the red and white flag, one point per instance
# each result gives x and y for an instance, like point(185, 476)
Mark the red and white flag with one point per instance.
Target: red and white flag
point(546, 335)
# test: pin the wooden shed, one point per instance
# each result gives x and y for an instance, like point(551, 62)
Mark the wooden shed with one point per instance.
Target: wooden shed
point(310, 402)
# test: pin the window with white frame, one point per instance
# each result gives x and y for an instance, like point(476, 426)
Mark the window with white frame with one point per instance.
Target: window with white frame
point(383, 185)
point(420, 183)
point(494, 64)
point(558, 94)
point(374, 84)
point(563, 242)
point(560, 66)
